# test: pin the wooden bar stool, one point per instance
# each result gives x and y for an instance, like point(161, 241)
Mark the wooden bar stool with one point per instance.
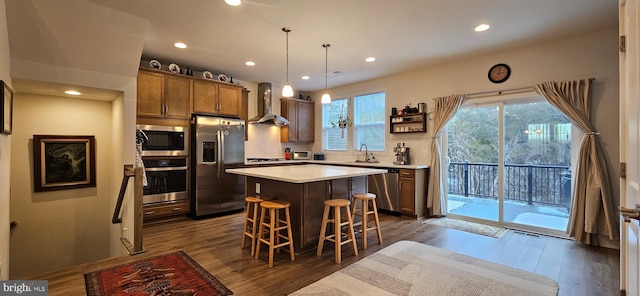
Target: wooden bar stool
point(275, 225)
point(251, 217)
point(365, 199)
point(336, 237)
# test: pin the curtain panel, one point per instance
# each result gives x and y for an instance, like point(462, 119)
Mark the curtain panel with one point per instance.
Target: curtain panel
point(592, 208)
point(445, 108)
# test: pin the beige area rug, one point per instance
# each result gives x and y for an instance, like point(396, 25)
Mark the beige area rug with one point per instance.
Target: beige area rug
point(411, 268)
point(477, 228)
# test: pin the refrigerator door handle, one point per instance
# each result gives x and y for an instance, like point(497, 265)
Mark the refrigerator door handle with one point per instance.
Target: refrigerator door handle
point(220, 153)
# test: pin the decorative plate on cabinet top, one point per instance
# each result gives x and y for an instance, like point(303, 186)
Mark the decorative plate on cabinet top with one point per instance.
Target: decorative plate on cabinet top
point(173, 68)
point(207, 75)
point(154, 64)
point(222, 77)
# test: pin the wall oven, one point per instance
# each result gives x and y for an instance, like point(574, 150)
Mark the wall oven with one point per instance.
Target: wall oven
point(165, 140)
point(166, 179)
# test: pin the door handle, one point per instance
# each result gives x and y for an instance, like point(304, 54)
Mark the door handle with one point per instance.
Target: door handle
point(629, 214)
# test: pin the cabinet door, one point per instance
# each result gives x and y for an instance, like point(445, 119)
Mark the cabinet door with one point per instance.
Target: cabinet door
point(288, 109)
point(340, 188)
point(407, 195)
point(177, 92)
point(244, 111)
point(305, 122)
point(230, 99)
point(205, 96)
point(149, 101)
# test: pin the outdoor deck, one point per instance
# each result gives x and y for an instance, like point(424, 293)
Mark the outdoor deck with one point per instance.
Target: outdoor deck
point(547, 216)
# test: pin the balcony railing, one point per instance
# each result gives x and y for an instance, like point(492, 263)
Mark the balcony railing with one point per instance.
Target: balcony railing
point(533, 184)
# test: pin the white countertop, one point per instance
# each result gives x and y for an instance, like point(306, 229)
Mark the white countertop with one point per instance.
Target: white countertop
point(345, 163)
point(305, 173)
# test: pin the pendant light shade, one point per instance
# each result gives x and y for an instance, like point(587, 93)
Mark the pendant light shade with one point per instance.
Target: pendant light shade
point(287, 90)
point(326, 98)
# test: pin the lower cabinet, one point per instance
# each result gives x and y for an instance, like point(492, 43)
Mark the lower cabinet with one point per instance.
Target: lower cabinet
point(413, 192)
point(162, 210)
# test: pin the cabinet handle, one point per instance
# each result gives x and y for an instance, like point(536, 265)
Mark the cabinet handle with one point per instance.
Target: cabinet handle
point(400, 185)
point(149, 213)
point(177, 209)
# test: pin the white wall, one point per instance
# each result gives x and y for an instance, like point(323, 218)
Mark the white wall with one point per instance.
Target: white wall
point(65, 227)
point(592, 54)
point(5, 152)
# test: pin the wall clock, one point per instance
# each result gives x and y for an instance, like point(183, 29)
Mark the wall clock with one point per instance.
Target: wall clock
point(499, 73)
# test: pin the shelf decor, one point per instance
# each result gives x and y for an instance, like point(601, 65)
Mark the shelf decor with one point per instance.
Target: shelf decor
point(64, 162)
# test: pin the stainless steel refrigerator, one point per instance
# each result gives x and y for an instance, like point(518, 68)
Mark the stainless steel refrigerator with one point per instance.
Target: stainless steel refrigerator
point(217, 144)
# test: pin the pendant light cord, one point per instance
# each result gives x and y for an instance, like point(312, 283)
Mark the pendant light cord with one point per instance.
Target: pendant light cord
point(326, 61)
point(287, 30)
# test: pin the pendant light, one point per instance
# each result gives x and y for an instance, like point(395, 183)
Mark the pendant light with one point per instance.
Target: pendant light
point(326, 98)
point(287, 90)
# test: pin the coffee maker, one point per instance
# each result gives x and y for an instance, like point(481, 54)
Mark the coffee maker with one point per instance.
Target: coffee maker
point(402, 154)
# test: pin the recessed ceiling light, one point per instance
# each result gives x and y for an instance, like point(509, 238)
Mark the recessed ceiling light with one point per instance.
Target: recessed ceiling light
point(305, 77)
point(180, 45)
point(72, 92)
point(370, 59)
point(250, 63)
point(233, 2)
point(481, 27)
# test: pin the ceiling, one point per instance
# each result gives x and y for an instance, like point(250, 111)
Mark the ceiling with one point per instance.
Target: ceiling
point(98, 35)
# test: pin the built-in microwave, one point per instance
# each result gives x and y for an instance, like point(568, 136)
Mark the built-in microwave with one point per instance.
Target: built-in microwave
point(164, 140)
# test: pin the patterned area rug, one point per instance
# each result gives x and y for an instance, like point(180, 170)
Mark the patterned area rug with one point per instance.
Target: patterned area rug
point(170, 274)
point(411, 268)
point(476, 228)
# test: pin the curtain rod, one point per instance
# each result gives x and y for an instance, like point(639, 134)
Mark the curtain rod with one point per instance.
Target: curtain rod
point(494, 93)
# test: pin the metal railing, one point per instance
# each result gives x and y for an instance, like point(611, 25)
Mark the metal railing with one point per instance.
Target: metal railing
point(533, 184)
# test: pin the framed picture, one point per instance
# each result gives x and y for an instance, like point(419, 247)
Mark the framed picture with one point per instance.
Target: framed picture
point(64, 162)
point(6, 105)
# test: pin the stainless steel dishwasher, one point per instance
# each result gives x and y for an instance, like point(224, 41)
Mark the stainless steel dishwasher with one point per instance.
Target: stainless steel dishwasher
point(385, 187)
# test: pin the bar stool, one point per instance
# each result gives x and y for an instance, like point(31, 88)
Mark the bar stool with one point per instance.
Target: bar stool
point(275, 225)
point(365, 199)
point(336, 237)
point(251, 217)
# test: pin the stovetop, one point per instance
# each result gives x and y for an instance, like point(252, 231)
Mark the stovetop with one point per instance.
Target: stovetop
point(262, 159)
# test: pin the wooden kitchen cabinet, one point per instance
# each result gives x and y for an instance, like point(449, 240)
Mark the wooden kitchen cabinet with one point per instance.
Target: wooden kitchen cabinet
point(162, 210)
point(413, 192)
point(301, 115)
point(163, 95)
point(150, 94)
point(210, 97)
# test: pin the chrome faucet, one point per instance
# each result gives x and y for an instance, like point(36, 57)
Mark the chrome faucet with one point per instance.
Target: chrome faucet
point(366, 152)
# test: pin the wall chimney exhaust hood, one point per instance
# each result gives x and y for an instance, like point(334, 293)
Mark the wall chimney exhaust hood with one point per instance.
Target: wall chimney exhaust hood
point(264, 107)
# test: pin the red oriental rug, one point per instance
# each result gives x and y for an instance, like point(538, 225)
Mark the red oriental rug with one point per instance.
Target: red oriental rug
point(170, 274)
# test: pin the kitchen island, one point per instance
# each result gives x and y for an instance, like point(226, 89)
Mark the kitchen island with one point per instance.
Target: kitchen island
point(306, 187)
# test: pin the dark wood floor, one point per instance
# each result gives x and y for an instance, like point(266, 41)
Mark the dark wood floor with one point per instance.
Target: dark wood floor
point(215, 244)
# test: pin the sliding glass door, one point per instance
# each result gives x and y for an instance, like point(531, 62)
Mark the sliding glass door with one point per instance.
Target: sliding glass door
point(510, 163)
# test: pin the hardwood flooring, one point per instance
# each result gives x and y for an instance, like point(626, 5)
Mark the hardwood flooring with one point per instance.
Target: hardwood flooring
point(215, 244)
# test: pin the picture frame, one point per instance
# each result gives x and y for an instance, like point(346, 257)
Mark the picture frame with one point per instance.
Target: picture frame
point(63, 162)
point(6, 106)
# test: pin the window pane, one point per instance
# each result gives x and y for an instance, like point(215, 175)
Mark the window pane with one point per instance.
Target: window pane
point(369, 123)
point(334, 138)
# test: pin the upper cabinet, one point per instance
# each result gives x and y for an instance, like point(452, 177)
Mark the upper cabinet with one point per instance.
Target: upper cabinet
point(210, 97)
point(163, 96)
point(301, 115)
point(173, 96)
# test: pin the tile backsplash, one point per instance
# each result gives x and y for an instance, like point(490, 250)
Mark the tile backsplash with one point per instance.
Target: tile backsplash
point(264, 141)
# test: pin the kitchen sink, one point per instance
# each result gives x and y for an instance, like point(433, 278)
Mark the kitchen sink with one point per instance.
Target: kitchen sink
point(367, 161)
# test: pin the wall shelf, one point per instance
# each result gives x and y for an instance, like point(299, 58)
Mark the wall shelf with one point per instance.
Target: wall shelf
point(408, 123)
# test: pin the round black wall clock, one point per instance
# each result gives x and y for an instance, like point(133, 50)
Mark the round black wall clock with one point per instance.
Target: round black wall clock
point(499, 73)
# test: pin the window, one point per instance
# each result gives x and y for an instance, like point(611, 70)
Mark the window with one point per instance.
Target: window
point(334, 138)
point(366, 123)
point(369, 121)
